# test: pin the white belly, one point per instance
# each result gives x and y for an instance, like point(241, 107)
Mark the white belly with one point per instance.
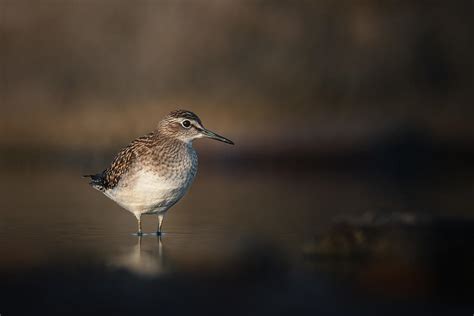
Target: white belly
point(150, 193)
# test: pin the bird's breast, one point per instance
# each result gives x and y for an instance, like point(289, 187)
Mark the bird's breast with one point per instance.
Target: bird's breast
point(155, 188)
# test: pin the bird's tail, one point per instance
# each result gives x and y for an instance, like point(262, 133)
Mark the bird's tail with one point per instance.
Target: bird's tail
point(97, 181)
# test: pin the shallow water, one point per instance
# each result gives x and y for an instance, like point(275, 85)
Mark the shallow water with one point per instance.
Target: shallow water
point(240, 241)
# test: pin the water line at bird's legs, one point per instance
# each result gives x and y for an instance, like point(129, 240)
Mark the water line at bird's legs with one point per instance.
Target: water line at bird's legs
point(160, 223)
point(139, 219)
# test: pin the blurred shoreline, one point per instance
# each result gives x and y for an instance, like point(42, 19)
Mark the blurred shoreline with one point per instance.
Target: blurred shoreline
point(397, 152)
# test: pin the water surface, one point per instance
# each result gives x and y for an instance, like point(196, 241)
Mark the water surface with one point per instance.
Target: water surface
point(241, 241)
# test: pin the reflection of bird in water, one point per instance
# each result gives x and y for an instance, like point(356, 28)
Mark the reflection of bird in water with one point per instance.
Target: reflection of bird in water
point(143, 259)
point(154, 172)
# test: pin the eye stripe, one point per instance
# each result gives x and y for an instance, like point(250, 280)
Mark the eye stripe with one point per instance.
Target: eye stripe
point(185, 114)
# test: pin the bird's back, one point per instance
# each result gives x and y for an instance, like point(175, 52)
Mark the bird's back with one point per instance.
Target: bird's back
point(123, 162)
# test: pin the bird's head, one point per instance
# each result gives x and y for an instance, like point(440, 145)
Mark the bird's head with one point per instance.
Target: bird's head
point(186, 126)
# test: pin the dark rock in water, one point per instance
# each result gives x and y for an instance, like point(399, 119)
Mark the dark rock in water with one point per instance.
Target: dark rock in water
point(393, 234)
point(380, 219)
point(400, 252)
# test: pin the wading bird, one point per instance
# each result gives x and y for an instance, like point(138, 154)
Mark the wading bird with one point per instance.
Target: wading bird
point(154, 172)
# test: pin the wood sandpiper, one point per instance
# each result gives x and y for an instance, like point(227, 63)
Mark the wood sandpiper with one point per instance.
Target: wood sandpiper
point(154, 171)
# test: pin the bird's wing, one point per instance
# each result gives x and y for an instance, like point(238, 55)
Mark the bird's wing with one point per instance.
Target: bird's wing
point(110, 177)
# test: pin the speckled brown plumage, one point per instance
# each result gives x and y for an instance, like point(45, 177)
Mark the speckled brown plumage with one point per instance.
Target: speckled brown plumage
point(160, 145)
point(185, 114)
point(154, 150)
point(126, 157)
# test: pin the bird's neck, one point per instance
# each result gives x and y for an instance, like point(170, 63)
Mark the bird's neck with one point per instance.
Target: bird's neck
point(171, 147)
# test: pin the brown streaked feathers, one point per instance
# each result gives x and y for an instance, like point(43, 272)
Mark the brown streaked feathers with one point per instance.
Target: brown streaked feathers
point(110, 177)
point(143, 146)
point(185, 114)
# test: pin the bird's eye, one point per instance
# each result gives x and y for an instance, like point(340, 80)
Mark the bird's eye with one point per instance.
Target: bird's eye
point(186, 124)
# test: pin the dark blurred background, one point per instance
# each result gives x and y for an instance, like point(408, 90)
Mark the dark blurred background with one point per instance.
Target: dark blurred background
point(311, 75)
point(349, 189)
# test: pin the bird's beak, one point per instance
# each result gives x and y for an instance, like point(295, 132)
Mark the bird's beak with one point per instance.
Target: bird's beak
point(207, 133)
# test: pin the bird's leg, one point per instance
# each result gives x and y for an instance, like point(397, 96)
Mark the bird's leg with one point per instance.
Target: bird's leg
point(139, 220)
point(160, 223)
